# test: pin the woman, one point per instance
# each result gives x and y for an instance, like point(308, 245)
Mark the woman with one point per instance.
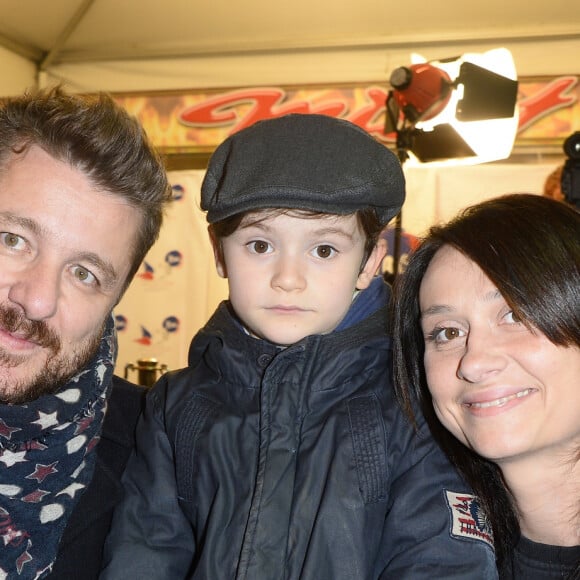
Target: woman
point(487, 338)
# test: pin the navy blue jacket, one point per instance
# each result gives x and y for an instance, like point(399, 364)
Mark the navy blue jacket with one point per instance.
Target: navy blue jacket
point(261, 463)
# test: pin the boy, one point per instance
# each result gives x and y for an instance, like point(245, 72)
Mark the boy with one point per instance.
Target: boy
point(280, 452)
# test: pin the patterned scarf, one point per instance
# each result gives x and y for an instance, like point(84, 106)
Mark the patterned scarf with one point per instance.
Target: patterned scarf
point(47, 459)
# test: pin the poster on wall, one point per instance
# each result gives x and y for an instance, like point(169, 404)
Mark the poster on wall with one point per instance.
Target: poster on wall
point(197, 121)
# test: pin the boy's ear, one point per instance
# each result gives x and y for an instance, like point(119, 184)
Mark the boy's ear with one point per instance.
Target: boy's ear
point(218, 255)
point(372, 264)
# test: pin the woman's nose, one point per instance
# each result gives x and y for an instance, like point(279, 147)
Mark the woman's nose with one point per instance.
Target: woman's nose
point(483, 357)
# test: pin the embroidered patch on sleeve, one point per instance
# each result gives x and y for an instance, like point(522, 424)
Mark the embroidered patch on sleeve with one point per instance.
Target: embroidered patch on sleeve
point(468, 519)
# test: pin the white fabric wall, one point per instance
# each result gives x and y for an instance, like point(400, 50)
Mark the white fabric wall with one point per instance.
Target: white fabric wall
point(175, 294)
point(175, 290)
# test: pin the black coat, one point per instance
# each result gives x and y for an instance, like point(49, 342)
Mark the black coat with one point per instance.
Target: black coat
point(81, 546)
point(257, 462)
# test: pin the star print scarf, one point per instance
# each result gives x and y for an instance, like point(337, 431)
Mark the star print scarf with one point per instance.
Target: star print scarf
point(47, 460)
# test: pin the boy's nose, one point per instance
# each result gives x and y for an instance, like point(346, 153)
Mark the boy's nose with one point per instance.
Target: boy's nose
point(289, 274)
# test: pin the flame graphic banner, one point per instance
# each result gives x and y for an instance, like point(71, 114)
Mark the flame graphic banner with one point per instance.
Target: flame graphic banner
point(197, 121)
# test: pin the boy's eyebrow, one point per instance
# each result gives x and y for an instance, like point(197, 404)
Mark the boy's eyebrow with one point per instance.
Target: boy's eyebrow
point(335, 230)
point(323, 230)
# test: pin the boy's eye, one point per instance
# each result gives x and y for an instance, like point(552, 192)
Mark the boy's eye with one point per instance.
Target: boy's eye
point(325, 251)
point(259, 247)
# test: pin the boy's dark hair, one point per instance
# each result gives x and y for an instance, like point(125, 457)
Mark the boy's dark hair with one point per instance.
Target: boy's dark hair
point(313, 163)
point(528, 246)
point(97, 136)
point(366, 218)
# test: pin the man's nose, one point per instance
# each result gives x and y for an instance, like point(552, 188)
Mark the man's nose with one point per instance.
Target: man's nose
point(36, 290)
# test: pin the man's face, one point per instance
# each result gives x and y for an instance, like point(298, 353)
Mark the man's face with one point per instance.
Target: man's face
point(65, 251)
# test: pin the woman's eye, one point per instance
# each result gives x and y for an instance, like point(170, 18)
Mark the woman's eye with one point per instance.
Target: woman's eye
point(11, 240)
point(450, 333)
point(447, 334)
point(512, 318)
point(259, 247)
point(324, 251)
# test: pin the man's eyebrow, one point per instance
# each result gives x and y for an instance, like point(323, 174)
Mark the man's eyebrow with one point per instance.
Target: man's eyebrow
point(7, 217)
point(109, 275)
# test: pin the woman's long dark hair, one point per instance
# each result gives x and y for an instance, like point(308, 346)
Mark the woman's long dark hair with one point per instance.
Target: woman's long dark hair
point(529, 247)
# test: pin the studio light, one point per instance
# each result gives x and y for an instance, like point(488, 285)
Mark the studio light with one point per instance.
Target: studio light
point(461, 109)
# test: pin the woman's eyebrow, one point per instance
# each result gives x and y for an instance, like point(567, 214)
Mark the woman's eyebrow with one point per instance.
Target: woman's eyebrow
point(436, 309)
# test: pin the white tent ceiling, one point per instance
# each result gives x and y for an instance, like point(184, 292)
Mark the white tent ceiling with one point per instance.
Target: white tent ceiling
point(64, 32)
point(153, 45)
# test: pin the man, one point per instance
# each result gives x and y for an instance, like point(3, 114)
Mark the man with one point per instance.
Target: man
point(82, 195)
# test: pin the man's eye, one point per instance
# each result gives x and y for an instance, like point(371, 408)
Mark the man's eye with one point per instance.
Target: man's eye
point(324, 251)
point(83, 275)
point(259, 247)
point(11, 240)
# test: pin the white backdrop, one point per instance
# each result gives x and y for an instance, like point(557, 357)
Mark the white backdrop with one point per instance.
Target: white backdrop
point(177, 288)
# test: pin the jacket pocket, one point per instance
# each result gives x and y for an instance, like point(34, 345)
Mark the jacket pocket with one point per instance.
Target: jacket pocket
point(189, 428)
point(369, 444)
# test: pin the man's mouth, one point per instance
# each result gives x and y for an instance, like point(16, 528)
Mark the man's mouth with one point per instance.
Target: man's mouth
point(19, 329)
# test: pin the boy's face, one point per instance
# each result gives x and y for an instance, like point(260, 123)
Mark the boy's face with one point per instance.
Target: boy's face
point(291, 276)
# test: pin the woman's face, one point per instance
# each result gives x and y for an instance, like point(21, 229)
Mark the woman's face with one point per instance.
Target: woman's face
point(501, 389)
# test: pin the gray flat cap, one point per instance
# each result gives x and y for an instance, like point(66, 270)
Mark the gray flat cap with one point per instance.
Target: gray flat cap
point(302, 161)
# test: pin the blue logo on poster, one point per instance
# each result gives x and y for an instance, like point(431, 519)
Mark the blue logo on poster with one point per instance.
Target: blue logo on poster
point(174, 258)
point(408, 242)
point(178, 192)
point(148, 272)
point(171, 324)
point(145, 337)
point(120, 322)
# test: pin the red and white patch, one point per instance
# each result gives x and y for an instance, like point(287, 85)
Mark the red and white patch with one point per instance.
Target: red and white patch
point(468, 519)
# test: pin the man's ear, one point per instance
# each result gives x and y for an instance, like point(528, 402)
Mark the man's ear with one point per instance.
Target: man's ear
point(372, 264)
point(218, 255)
